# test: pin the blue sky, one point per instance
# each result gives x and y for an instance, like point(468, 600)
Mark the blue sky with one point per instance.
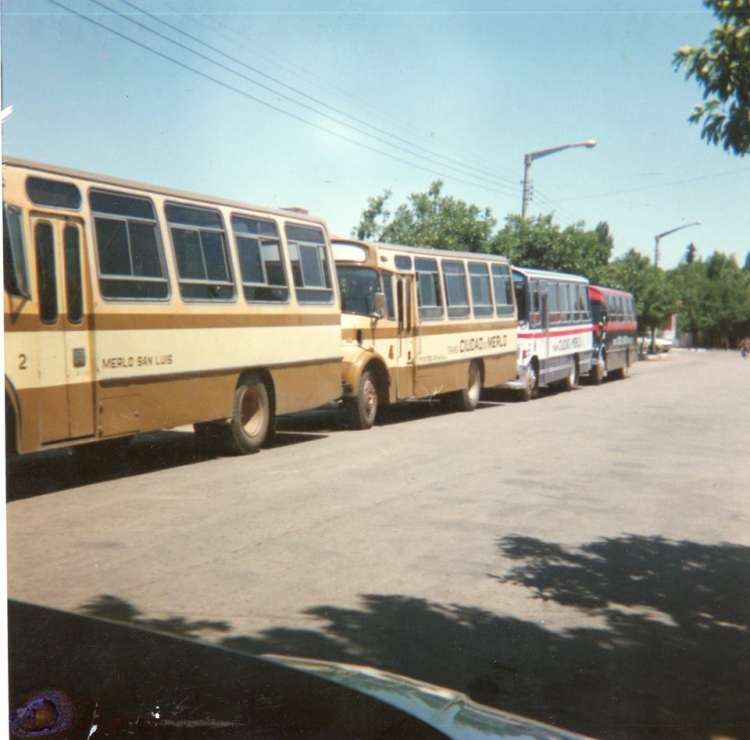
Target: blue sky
point(325, 103)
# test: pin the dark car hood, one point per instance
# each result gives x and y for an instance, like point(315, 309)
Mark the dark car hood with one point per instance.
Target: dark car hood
point(78, 678)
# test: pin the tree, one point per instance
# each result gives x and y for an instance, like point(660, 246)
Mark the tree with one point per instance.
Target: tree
point(433, 219)
point(429, 219)
point(727, 300)
point(722, 67)
point(655, 296)
point(537, 242)
point(691, 284)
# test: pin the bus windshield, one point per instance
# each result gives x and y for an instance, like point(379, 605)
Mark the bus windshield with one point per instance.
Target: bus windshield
point(358, 287)
point(14, 262)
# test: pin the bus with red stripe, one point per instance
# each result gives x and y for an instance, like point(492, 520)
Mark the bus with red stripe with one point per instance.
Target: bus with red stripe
point(615, 333)
point(555, 341)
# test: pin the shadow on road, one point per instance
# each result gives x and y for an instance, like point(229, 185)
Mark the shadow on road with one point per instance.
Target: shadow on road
point(59, 470)
point(667, 657)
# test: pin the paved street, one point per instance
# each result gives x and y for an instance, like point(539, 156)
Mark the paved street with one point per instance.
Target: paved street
point(582, 559)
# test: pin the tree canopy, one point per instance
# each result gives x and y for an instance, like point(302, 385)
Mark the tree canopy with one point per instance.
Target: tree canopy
point(428, 219)
point(722, 67)
point(711, 297)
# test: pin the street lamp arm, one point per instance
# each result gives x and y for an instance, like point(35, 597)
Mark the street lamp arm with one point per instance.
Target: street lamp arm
point(679, 228)
point(531, 156)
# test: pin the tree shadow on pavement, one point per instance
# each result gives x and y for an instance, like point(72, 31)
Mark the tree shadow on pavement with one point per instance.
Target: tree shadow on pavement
point(667, 656)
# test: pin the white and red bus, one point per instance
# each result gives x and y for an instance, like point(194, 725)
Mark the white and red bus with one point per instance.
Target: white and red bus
point(615, 333)
point(554, 330)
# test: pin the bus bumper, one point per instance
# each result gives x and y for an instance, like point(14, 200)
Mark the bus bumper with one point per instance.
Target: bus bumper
point(522, 378)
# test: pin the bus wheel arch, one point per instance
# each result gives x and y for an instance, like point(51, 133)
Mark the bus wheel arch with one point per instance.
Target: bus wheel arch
point(467, 399)
point(371, 392)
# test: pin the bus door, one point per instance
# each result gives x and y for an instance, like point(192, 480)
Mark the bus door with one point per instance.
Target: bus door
point(544, 311)
point(65, 350)
point(406, 354)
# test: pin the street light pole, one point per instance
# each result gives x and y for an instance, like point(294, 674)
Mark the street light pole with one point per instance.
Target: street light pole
point(531, 156)
point(658, 237)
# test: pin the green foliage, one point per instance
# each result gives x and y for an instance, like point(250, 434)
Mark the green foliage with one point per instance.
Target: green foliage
point(722, 67)
point(537, 242)
point(655, 296)
point(714, 300)
point(432, 219)
point(429, 219)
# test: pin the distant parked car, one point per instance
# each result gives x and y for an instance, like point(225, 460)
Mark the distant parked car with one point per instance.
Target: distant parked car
point(660, 345)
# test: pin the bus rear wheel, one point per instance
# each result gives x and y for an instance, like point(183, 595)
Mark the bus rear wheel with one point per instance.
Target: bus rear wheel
point(251, 415)
point(467, 399)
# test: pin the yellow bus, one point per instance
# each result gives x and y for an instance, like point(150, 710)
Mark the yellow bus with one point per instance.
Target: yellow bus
point(422, 322)
point(130, 308)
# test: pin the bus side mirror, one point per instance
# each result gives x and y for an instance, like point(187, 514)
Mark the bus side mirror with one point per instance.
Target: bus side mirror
point(379, 310)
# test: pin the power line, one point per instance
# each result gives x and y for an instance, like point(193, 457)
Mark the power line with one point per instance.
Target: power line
point(276, 108)
point(282, 95)
point(362, 105)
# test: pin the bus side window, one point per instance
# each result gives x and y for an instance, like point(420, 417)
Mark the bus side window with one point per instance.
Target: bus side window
point(200, 249)
point(481, 296)
point(429, 295)
point(501, 282)
point(127, 247)
point(46, 272)
point(261, 265)
point(310, 265)
point(454, 277)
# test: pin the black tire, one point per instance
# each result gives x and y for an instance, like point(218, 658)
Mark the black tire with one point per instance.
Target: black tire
point(598, 371)
point(567, 384)
point(532, 384)
point(467, 399)
point(363, 408)
point(251, 416)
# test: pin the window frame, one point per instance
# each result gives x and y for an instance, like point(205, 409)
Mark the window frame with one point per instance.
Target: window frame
point(98, 216)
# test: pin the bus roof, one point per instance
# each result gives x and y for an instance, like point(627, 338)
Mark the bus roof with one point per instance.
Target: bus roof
point(418, 251)
point(598, 291)
point(105, 181)
point(530, 272)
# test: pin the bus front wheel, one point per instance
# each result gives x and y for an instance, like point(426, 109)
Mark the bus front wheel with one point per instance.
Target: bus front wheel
point(363, 408)
point(599, 370)
point(531, 389)
point(251, 415)
point(571, 381)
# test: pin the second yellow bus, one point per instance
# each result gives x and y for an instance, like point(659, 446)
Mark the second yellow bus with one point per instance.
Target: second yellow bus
point(422, 322)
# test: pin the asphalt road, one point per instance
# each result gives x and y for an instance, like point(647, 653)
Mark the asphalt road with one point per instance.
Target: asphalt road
point(582, 559)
